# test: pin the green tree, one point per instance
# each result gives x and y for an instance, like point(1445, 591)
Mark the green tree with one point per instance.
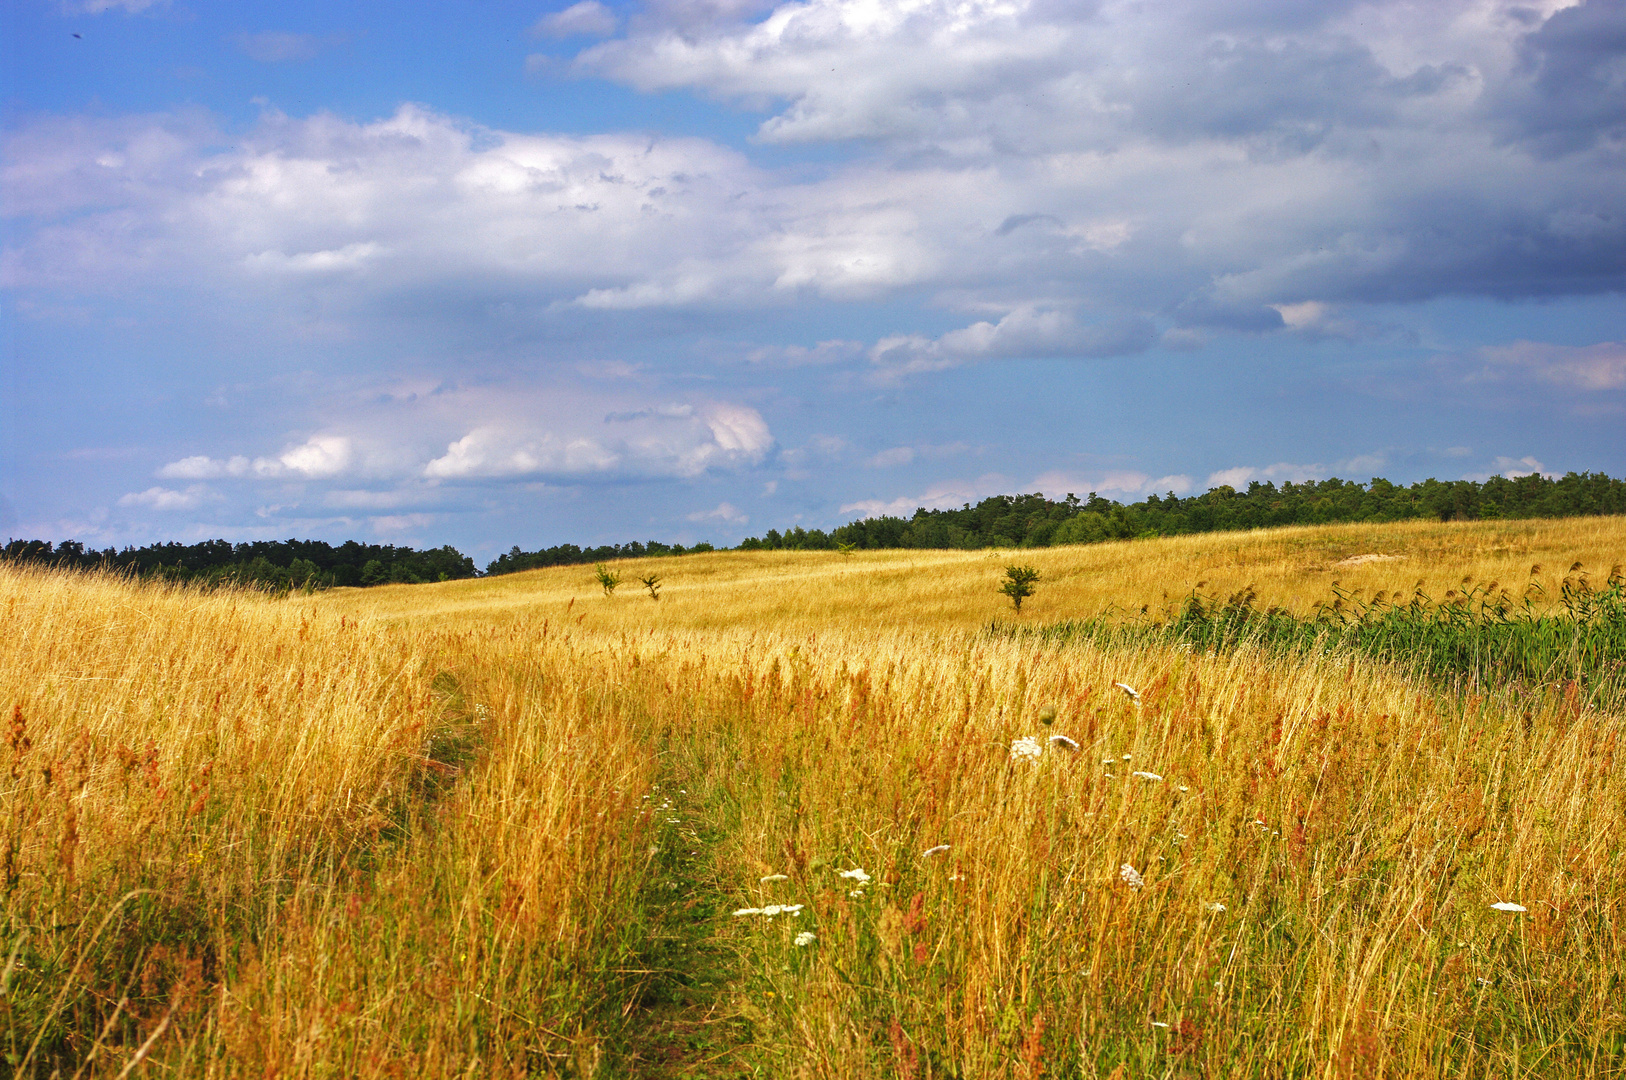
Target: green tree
point(1018, 585)
point(652, 582)
point(607, 579)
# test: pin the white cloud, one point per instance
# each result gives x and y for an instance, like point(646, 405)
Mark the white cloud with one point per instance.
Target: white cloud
point(589, 17)
point(1026, 332)
point(320, 456)
point(947, 495)
point(724, 512)
point(669, 441)
point(200, 467)
point(1355, 468)
point(1121, 484)
point(1597, 367)
point(495, 433)
point(1512, 468)
point(160, 498)
point(1074, 168)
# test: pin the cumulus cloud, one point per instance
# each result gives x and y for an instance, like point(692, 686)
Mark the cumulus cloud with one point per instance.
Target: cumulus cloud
point(946, 495)
point(1097, 178)
point(414, 444)
point(1567, 92)
point(673, 443)
point(1513, 468)
point(589, 18)
point(1113, 483)
point(1025, 332)
point(1590, 367)
point(1241, 476)
point(319, 457)
point(162, 498)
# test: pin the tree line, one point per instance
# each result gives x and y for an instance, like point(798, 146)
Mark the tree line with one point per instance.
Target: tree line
point(1035, 521)
point(999, 521)
point(273, 564)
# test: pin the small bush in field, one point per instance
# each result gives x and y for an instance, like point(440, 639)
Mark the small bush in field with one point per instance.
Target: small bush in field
point(1018, 585)
point(607, 578)
point(652, 582)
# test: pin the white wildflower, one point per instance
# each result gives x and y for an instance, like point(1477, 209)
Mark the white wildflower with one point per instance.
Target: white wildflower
point(1026, 747)
point(1130, 876)
point(1109, 761)
point(1506, 906)
point(1148, 776)
point(1134, 695)
point(1126, 757)
point(1156, 1023)
point(775, 877)
point(1184, 788)
point(856, 893)
point(805, 938)
point(938, 850)
point(1214, 907)
point(782, 909)
point(856, 873)
point(748, 911)
point(1062, 742)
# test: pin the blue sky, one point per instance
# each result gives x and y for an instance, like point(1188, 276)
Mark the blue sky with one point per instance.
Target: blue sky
point(496, 274)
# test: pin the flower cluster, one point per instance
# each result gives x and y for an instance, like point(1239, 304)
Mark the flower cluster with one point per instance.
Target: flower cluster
point(1026, 748)
point(771, 910)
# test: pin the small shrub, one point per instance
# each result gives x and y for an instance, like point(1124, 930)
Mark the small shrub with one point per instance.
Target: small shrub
point(1018, 584)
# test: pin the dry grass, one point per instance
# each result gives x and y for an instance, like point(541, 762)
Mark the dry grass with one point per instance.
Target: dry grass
point(404, 831)
point(817, 591)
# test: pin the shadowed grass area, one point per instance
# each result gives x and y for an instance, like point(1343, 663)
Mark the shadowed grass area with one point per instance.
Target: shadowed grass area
point(1478, 637)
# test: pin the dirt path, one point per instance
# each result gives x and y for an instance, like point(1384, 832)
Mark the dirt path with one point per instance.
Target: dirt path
point(685, 1023)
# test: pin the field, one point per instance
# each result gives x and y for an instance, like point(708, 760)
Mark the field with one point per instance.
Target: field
point(783, 822)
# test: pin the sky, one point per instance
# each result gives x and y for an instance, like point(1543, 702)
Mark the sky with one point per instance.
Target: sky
point(507, 273)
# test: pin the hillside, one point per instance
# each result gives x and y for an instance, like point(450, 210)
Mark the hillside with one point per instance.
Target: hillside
point(803, 815)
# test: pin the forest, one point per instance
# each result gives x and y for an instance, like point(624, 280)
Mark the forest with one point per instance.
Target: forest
point(1035, 521)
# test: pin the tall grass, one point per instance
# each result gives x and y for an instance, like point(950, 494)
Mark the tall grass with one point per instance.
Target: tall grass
point(264, 837)
point(1319, 859)
point(499, 828)
point(1478, 635)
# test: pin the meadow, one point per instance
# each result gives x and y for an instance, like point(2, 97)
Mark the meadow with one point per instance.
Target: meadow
point(815, 815)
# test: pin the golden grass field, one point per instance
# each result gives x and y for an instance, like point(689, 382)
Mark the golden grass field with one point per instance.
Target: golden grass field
point(499, 827)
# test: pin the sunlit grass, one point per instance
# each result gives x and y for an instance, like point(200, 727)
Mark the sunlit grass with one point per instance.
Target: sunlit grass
point(460, 829)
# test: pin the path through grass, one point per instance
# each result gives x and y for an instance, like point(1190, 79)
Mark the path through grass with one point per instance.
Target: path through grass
point(685, 1022)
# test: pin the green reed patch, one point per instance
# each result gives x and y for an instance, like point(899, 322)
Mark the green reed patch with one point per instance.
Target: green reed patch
point(1479, 635)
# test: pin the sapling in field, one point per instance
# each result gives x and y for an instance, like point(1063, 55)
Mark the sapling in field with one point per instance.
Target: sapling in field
point(607, 578)
point(1019, 584)
point(652, 582)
